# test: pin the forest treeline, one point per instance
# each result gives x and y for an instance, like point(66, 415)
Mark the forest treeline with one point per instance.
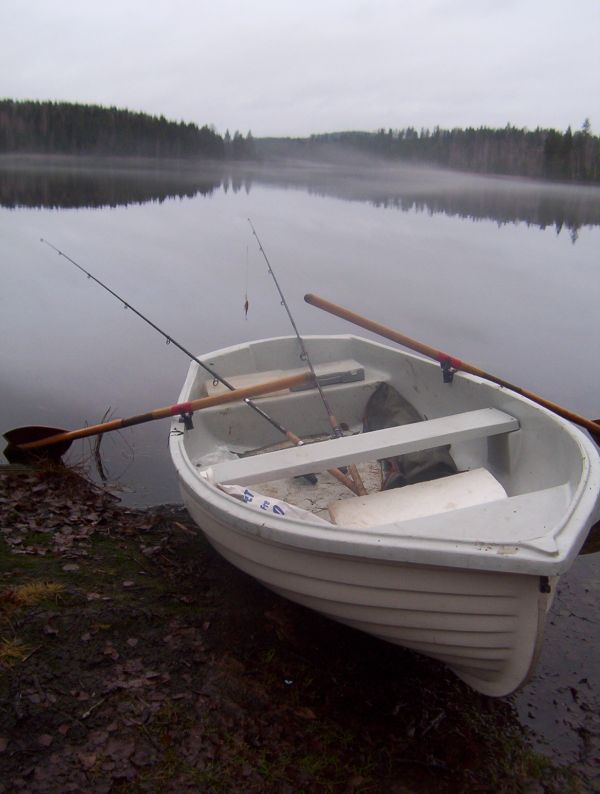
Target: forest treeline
point(541, 153)
point(67, 128)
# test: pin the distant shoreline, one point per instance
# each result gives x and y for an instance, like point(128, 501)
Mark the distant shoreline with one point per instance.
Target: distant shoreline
point(36, 162)
point(62, 129)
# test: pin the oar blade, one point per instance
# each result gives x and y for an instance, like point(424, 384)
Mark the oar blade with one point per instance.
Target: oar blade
point(23, 435)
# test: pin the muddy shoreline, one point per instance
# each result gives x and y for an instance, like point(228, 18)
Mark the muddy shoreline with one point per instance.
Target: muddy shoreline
point(133, 658)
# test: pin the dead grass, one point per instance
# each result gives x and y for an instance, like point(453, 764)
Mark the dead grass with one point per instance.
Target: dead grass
point(12, 651)
point(34, 593)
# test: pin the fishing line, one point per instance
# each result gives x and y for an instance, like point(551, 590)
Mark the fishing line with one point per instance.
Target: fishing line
point(337, 431)
point(303, 351)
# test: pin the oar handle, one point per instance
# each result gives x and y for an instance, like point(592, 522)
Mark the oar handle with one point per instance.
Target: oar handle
point(173, 410)
point(446, 360)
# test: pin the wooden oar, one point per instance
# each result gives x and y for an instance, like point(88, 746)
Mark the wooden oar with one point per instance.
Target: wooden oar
point(449, 362)
point(24, 440)
point(53, 442)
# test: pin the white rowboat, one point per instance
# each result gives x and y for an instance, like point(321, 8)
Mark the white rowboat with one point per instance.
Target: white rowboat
point(461, 568)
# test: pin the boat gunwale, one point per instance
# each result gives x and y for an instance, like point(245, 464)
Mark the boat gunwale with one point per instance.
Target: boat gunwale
point(525, 557)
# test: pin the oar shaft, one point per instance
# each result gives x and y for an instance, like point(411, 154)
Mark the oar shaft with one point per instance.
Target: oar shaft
point(447, 360)
point(381, 330)
point(173, 410)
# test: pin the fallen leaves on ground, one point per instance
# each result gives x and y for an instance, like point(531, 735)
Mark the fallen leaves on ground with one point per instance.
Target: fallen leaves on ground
point(55, 510)
point(150, 664)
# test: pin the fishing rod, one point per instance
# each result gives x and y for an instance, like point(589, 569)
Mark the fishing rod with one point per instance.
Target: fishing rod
point(337, 431)
point(296, 440)
point(170, 340)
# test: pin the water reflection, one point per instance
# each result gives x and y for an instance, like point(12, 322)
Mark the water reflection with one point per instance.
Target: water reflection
point(474, 197)
point(75, 182)
point(64, 183)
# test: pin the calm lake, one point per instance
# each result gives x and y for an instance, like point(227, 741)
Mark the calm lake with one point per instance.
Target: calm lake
point(502, 273)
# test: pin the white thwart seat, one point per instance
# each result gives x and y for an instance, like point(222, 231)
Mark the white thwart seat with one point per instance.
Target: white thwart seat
point(465, 489)
point(377, 444)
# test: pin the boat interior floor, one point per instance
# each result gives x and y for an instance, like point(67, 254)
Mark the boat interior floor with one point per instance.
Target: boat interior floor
point(316, 494)
point(316, 497)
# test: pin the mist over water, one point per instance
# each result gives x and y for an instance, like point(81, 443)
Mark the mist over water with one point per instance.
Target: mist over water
point(71, 182)
point(503, 273)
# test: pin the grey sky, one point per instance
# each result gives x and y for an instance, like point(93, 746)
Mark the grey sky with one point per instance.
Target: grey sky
point(292, 68)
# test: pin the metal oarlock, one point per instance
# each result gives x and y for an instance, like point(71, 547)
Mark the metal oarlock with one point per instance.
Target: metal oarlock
point(448, 370)
point(187, 421)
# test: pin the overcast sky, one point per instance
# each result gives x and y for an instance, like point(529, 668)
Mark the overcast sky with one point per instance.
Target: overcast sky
point(292, 68)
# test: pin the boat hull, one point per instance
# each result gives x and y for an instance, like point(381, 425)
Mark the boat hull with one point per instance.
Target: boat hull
point(467, 582)
point(487, 627)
